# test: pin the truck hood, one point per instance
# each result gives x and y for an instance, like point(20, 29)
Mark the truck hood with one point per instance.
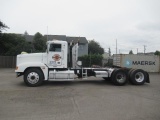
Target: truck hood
point(32, 57)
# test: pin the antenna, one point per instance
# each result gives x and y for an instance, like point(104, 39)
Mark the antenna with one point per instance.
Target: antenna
point(47, 33)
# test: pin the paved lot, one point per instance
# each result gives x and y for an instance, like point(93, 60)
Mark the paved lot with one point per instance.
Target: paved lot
point(92, 99)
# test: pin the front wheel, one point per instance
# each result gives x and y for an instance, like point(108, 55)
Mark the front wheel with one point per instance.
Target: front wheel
point(33, 77)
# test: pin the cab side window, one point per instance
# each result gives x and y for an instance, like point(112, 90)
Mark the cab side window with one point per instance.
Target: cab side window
point(55, 48)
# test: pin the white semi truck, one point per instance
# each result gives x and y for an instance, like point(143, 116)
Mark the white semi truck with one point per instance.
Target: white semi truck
point(60, 63)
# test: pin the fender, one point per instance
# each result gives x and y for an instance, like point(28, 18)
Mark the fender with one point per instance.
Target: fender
point(22, 67)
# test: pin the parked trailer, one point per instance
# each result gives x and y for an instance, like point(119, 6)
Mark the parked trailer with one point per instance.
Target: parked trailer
point(149, 63)
point(60, 63)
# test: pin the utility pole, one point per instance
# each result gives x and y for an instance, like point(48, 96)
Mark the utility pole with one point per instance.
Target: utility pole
point(90, 59)
point(116, 51)
point(109, 51)
point(116, 46)
point(144, 49)
point(137, 50)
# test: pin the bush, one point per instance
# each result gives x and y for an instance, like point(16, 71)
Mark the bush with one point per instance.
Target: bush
point(92, 59)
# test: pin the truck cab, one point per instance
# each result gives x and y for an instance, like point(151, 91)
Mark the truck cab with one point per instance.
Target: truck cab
point(52, 65)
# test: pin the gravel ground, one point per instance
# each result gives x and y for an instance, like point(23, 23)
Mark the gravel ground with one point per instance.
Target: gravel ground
point(91, 99)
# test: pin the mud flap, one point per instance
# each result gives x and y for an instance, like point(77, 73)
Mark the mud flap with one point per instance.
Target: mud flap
point(148, 79)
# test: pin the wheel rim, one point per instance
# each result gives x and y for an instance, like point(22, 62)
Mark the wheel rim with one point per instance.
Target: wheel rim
point(139, 77)
point(33, 77)
point(121, 78)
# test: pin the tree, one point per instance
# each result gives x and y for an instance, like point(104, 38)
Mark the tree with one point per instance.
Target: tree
point(26, 33)
point(39, 42)
point(95, 48)
point(95, 55)
point(130, 52)
point(157, 52)
point(2, 26)
point(13, 44)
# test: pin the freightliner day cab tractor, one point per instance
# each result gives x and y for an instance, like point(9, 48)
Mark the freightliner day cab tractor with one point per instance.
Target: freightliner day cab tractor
point(60, 63)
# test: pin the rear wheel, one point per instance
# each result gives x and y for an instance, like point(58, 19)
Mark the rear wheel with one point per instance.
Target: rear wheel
point(119, 77)
point(138, 77)
point(33, 77)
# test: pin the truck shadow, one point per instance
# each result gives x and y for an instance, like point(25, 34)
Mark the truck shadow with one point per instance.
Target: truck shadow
point(79, 82)
point(86, 82)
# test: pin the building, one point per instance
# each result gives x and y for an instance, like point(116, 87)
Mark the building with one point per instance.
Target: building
point(149, 53)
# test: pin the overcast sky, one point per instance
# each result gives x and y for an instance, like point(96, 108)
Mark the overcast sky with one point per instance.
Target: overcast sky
point(134, 23)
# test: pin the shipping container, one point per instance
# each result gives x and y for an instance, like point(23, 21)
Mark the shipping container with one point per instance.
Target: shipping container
point(149, 63)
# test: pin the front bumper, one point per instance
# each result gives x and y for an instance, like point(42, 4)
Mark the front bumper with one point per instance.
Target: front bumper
point(18, 74)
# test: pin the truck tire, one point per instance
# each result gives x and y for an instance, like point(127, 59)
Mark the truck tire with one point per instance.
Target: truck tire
point(138, 77)
point(130, 71)
point(129, 74)
point(119, 77)
point(33, 77)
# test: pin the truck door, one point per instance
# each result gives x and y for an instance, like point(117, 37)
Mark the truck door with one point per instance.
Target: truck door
point(55, 55)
